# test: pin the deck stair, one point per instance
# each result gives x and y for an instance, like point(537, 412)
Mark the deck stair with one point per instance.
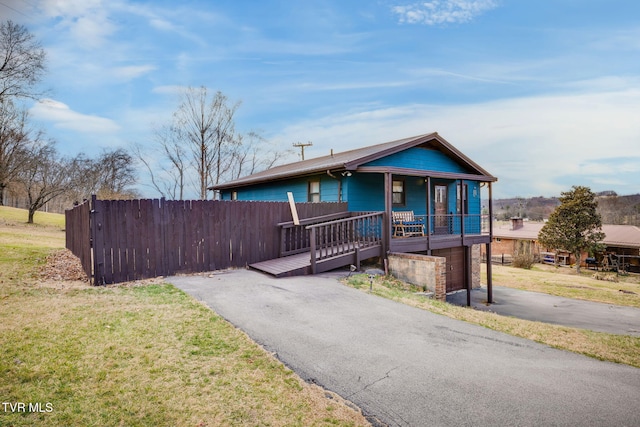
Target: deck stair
point(292, 265)
point(325, 243)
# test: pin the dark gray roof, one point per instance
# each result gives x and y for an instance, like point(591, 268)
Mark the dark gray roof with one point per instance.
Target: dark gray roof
point(350, 160)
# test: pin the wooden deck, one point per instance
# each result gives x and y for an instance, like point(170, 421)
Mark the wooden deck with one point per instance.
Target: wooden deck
point(332, 258)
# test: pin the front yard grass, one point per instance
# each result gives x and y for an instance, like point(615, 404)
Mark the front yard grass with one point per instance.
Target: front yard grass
point(565, 282)
point(138, 355)
point(610, 347)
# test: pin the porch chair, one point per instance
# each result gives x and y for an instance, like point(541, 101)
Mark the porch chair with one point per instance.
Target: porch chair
point(405, 224)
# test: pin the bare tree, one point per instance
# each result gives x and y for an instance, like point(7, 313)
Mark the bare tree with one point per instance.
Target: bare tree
point(22, 62)
point(254, 154)
point(15, 142)
point(206, 126)
point(110, 176)
point(46, 176)
point(116, 174)
point(200, 147)
point(168, 172)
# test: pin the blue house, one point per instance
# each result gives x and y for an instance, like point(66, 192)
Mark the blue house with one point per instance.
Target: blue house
point(425, 191)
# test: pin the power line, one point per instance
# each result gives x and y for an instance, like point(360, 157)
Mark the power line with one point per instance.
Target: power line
point(14, 9)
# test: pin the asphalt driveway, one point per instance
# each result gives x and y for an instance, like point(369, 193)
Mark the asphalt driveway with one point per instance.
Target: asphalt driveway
point(539, 307)
point(405, 366)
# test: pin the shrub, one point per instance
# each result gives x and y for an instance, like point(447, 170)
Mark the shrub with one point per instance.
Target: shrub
point(524, 260)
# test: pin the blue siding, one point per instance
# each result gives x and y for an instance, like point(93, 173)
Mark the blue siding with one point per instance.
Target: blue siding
point(415, 195)
point(277, 191)
point(364, 192)
point(420, 158)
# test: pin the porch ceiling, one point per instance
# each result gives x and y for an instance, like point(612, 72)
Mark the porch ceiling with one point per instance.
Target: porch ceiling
point(425, 173)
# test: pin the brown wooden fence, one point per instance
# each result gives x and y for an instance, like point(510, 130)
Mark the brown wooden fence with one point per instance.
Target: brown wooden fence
point(78, 234)
point(123, 240)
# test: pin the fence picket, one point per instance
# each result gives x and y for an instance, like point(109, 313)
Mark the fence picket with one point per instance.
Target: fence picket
point(137, 239)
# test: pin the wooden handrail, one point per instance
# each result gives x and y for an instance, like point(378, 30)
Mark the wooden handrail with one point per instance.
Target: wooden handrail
point(338, 237)
point(315, 219)
point(345, 219)
point(295, 239)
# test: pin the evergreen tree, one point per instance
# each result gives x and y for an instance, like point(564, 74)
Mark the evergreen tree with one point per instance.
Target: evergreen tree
point(574, 226)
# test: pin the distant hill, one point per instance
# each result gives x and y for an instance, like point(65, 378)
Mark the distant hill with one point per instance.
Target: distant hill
point(614, 209)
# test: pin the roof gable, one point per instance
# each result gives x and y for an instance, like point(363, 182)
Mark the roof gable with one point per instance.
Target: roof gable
point(422, 158)
point(352, 159)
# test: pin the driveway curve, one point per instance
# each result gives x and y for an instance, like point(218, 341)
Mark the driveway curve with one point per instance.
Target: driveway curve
point(408, 367)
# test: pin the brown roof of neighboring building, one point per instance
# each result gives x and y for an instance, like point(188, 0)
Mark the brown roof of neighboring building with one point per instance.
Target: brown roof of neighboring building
point(622, 235)
point(350, 160)
point(615, 235)
point(528, 231)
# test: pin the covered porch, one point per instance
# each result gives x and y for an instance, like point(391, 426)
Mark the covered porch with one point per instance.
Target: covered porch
point(450, 216)
point(447, 220)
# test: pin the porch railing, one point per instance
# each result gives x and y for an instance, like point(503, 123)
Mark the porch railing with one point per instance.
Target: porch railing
point(294, 239)
point(452, 224)
point(342, 236)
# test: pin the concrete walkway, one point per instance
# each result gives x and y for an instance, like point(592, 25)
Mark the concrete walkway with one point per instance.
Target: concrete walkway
point(409, 367)
point(613, 319)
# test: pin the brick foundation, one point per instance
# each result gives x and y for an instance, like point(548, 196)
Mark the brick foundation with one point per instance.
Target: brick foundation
point(429, 272)
point(476, 258)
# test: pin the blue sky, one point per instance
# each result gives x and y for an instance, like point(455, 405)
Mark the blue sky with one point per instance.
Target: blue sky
point(543, 94)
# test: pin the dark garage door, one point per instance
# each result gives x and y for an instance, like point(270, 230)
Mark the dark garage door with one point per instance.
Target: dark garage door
point(455, 267)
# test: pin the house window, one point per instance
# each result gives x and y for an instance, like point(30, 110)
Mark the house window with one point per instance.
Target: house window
point(234, 195)
point(398, 194)
point(314, 191)
point(462, 200)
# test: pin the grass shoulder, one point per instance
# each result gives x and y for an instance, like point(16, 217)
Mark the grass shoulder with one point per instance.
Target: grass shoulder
point(610, 347)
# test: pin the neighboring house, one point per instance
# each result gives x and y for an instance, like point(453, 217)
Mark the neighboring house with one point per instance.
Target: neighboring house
point(434, 185)
point(520, 236)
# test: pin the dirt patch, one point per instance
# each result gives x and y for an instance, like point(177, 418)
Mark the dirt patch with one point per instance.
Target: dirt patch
point(63, 270)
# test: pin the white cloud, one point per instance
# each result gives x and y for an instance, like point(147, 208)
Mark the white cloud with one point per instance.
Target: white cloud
point(169, 89)
point(534, 145)
point(442, 11)
point(87, 21)
point(131, 72)
point(65, 118)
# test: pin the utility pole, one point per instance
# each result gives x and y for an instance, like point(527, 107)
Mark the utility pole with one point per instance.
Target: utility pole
point(302, 145)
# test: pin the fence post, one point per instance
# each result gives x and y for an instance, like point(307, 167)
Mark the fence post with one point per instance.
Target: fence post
point(312, 242)
point(96, 241)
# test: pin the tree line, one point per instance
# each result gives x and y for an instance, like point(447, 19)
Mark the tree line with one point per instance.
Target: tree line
point(196, 148)
point(613, 208)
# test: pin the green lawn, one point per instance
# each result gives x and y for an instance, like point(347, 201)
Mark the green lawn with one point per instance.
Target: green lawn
point(565, 282)
point(142, 354)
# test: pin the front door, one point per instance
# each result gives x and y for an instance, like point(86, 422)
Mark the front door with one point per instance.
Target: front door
point(440, 205)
